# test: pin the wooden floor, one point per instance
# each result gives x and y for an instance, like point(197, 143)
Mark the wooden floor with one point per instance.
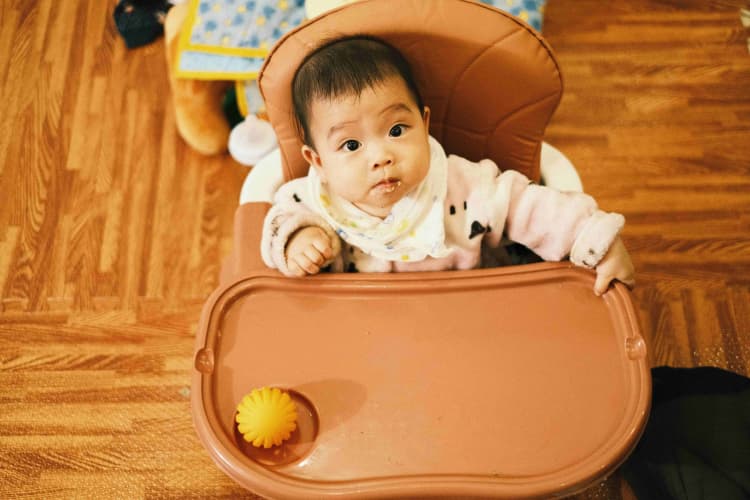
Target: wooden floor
point(112, 230)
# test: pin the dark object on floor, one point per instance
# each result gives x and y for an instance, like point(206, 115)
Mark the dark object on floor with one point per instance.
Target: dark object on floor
point(697, 441)
point(140, 21)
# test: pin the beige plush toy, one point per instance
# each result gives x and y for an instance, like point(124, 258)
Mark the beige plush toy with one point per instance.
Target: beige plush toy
point(197, 103)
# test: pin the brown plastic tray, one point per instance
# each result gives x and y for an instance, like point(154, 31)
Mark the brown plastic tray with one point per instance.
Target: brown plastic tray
point(511, 383)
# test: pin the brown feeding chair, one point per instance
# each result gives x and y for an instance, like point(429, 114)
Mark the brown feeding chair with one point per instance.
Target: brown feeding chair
point(512, 382)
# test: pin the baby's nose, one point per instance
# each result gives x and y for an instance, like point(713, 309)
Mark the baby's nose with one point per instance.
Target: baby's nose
point(381, 157)
point(381, 161)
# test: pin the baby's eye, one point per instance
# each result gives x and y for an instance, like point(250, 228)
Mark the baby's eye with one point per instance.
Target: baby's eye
point(351, 145)
point(396, 130)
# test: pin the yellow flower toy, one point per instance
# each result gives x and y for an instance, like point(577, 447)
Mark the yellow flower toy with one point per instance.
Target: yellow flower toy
point(266, 417)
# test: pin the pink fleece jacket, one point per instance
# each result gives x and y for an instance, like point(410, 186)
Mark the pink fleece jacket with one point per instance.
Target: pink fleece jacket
point(482, 205)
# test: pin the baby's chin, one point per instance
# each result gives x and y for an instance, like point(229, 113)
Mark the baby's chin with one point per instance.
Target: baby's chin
point(381, 209)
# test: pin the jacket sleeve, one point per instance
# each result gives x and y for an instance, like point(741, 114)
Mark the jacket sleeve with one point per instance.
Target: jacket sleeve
point(554, 224)
point(288, 215)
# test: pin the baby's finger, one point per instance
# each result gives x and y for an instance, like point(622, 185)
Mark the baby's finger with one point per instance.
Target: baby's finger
point(314, 255)
point(294, 269)
point(323, 245)
point(306, 264)
point(602, 283)
point(628, 280)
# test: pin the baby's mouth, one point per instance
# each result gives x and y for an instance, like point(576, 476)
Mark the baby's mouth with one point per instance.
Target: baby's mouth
point(387, 185)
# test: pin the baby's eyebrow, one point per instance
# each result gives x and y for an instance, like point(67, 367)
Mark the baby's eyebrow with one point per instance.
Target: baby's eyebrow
point(399, 106)
point(338, 127)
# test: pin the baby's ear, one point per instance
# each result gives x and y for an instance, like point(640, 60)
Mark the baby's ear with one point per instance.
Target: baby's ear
point(426, 118)
point(313, 159)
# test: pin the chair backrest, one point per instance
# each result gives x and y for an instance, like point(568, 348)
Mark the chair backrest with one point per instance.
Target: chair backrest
point(491, 81)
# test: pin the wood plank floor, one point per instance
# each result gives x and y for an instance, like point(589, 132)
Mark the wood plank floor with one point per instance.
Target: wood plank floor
point(112, 231)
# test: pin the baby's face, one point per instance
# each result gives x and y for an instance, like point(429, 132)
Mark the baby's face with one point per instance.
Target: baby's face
point(370, 149)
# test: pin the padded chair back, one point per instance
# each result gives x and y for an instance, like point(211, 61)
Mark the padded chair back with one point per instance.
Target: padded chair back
point(490, 80)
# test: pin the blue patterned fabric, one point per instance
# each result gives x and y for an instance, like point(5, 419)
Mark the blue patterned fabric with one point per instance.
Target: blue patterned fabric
point(245, 24)
point(229, 39)
point(530, 11)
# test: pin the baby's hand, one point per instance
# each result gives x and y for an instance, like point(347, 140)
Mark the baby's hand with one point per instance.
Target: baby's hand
point(307, 250)
point(616, 264)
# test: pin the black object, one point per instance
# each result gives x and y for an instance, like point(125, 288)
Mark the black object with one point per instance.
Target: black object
point(231, 108)
point(476, 228)
point(140, 21)
point(697, 441)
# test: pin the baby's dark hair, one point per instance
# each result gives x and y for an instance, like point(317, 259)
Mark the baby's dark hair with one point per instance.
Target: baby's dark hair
point(346, 66)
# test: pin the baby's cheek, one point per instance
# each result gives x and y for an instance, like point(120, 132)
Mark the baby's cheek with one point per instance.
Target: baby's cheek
point(358, 182)
point(347, 187)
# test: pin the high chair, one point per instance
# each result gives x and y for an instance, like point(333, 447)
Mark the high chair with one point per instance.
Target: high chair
point(514, 382)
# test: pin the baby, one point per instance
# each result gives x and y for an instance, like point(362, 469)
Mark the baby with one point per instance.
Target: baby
point(382, 196)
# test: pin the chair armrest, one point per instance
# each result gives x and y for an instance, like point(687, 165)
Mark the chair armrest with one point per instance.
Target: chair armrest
point(245, 258)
